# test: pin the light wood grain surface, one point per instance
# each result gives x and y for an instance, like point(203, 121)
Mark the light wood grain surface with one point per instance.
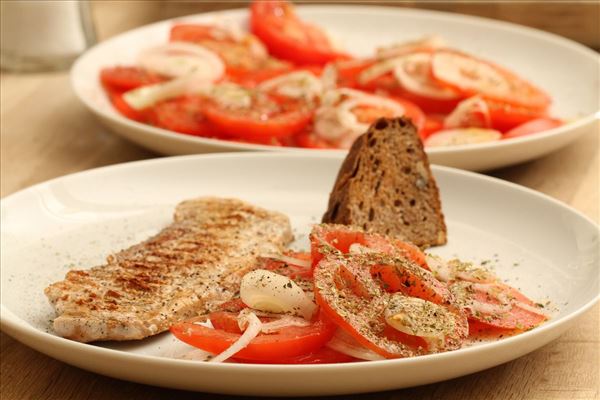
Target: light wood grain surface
point(46, 132)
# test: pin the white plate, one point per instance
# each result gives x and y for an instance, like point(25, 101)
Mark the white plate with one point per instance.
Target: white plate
point(79, 219)
point(565, 69)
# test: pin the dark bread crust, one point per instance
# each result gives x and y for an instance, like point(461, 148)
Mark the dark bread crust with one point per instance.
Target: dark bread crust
point(385, 186)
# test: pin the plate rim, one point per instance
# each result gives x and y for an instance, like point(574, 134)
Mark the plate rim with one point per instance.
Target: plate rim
point(564, 130)
point(11, 323)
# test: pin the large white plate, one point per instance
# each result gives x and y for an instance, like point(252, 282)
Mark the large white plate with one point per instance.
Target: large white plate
point(538, 244)
point(568, 71)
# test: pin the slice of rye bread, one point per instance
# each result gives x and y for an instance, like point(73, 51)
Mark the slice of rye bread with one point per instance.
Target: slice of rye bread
point(385, 186)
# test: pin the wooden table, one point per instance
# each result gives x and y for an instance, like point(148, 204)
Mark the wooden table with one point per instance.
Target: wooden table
point(46, 132)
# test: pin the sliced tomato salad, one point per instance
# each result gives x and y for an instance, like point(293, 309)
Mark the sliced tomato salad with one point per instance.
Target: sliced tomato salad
point(370, 297)
point(288, 342)
point(445, 92)
point(288, 37)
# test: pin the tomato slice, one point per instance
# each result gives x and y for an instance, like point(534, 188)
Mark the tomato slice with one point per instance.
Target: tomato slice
point(288, 37)
point(198, 33)
point(433, 123)
point(533, 126)
point(127, 78)
point(472, 76)
point(505, 116)
point(293, 341)
point(116, 98)
point(183, 115)
point(310, 140)
point(347, 292)
point(497, 306)
point(324, 355)
point(266, 119)
point(333, 238)
point(470, 113)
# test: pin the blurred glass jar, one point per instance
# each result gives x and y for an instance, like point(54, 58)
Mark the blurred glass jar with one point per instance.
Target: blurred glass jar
point(44, 35)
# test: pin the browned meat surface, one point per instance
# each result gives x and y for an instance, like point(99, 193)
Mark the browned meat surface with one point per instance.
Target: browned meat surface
point(190, 266)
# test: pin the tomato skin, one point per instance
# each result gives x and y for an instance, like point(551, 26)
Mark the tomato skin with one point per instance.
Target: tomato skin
point(287, 37)
point(533, 126)
point(183, 115)
point(324, 355)
point(238, 125)
point(122, 79)
point(327, 237)
point(194, 33)
point(428, 104)
point(515, 320)
point(523, 93)
point(124, 108)
point(433, 123)
point(310, 140)
point(288, 342)
point(505, 116)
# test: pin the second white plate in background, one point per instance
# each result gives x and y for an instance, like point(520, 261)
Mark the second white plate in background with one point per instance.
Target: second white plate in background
point(568, 71)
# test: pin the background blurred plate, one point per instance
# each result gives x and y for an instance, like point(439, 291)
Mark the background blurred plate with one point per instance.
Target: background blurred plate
point(568, 71)
point(534, 242)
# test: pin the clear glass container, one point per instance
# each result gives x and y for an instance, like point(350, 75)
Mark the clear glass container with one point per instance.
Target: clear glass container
point(44, 35)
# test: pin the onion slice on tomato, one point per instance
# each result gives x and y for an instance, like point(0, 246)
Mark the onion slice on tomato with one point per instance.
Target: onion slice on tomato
point(453, 137)
point(472, 76)
point(343, 343)
point(267, 291)
point(253, 328)
point(177, 59)
point(146, 96)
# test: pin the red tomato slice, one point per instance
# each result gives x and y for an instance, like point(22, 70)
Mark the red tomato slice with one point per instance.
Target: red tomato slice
point(346, 291)
point(198, 33)
point(126, 78)
point(533, 126)
point(289, 342)
point(433, 123)
point(506, 116)
point(472, 76)
point(497, 306)
point(183, 115)
point(470, 113)
point(286, 36)
point(124, 108)
point(265, 120)
point(324, 355)
point(408, 278)
point(328, 238)
point(310, 140)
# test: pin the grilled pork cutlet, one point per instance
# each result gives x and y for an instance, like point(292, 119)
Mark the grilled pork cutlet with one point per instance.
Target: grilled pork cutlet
point(189, 267)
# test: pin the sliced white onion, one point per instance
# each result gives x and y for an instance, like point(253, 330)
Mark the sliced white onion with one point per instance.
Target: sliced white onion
point(470, 113)
point(177, 59)
point(453, 137)
point(440, 268)
point(530, 308)
point(346, 344)
point(299, 84)
point(431, 42)
point(470, 74)
point(253, 328)
point(419, 317)
point(290, 260)
point(337, 122)
point(378, 69)
point(487, 308)
point(357, 248)
point(147, 96)
point(231, 95)
point(284, 321)
point(413, 72)
point(267, 291)
point(329, 77)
